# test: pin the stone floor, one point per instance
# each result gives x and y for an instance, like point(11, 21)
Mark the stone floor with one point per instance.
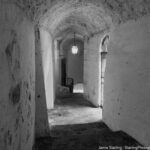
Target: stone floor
point(73, 109)
point(76, 125)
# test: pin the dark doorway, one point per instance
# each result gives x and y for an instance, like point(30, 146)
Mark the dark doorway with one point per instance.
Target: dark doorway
point(63, 71)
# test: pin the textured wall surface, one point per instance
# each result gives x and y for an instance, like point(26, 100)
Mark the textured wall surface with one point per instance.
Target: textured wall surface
point(91, 70)
point(127, 80)
point(17, 80)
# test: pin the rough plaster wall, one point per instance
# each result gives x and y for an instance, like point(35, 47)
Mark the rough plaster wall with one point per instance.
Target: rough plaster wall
point(41, 116)
point(17, 79)
point(127, 80)
point(91, 70)
point(47, 53)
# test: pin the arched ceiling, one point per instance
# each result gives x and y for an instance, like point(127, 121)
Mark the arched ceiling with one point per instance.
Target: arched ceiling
point(69, 29)
point(86, 24)
point(84, 16)
point(69, 35)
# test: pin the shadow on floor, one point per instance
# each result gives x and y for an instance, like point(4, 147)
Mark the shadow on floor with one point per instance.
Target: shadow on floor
point(76, 125)
point(91, 136)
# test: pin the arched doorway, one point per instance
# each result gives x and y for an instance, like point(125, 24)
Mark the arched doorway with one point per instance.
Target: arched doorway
point(102, 65)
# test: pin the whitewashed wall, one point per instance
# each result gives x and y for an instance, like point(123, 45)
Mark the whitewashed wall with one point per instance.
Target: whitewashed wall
point(47, 53)
point(127, 80)
point(92, 70)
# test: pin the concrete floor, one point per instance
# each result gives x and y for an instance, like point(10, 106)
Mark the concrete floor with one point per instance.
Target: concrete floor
point(73, 109)
point(76, 125)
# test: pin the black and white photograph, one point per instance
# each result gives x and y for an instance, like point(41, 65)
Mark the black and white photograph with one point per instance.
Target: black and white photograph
point(74, 74)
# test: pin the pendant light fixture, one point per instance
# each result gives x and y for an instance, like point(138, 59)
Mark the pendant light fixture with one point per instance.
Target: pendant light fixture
point(74, 48)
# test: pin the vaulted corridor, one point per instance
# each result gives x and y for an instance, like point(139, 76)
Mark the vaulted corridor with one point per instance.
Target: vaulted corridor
point(74, 71)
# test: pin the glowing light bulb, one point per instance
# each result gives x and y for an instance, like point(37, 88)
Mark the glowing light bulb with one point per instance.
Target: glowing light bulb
point(74, 49)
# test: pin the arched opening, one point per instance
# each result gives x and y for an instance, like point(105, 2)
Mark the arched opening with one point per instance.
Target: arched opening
point(69, 65)
point(83, 67)
point(74, 63)
point(57, 28)
point(102, 66)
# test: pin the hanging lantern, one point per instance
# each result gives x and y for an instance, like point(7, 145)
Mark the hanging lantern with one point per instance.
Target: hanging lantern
point(74, 48)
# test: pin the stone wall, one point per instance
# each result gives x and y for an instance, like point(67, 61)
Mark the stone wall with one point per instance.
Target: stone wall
point(127, 80)
point(17, 79)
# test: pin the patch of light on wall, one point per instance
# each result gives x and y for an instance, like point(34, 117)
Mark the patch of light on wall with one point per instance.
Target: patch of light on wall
point(74, 49)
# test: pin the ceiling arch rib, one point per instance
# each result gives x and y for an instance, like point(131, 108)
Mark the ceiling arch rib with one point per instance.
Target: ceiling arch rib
point(66, 29)
point(69, 30)
point(71, 37)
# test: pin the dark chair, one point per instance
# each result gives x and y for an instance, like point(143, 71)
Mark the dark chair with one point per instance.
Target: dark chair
point(69, 84)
